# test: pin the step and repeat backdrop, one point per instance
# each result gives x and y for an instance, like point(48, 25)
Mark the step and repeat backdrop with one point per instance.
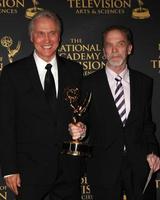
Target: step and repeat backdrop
point(83, 24)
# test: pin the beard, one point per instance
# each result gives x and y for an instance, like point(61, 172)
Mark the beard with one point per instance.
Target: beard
point(115, 62)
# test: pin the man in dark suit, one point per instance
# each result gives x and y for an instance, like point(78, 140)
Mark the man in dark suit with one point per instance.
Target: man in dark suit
point(34, 118)
point(119, 121)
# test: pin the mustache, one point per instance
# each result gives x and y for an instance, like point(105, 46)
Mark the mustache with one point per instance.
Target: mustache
point(114, 54)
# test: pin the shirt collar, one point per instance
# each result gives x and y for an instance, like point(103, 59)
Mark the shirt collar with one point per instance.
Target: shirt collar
point(40, 63)
point(112, 75)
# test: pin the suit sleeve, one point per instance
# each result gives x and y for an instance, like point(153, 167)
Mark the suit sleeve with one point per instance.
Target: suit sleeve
point(149, 126)
point(7, 124)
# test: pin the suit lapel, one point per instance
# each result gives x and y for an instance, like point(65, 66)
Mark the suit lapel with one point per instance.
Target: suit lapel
point(133, 96)
point(61, 79)
point(106, 98)
point(37, 86)
point(34, 77)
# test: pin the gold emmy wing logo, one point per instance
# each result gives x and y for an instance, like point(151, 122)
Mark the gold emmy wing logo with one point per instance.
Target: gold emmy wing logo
point(30, 12)
point(7, 42)
point(3, 192)
point(140, 12)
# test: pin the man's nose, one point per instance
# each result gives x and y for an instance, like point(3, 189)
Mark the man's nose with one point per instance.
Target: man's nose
point(47, 38)
point(114, 49)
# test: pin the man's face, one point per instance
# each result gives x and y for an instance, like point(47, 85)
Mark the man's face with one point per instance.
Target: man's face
point(116, 48)
point(45, 37)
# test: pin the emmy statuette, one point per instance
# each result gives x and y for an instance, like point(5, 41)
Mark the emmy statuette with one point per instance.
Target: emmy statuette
point(76, 147)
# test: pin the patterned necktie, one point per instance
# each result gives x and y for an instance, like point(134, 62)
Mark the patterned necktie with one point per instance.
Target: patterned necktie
point(49, 87)
point(120, 100)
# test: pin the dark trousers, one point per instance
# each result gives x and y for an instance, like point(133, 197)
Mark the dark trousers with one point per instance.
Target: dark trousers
point(66, 186)
point(59, 191)
point(124, 185)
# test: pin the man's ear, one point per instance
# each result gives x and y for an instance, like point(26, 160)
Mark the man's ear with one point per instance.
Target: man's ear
point(130, 49)
point(31, 37)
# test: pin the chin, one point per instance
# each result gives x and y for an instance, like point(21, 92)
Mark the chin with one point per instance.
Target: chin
point(115, 64)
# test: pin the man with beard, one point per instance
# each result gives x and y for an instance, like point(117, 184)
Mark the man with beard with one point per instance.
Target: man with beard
point(119, 121)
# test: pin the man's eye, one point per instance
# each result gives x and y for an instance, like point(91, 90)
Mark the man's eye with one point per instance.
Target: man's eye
point(121, 44)
point(53, 33)
point(40, 34)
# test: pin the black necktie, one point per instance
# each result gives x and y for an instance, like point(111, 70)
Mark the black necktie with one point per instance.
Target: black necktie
point(49, 86)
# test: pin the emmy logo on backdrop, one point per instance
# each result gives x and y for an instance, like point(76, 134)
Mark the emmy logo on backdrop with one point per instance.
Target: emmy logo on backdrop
point(140, 12)
point(30, 12)
point(7, 42)
point(76, 147)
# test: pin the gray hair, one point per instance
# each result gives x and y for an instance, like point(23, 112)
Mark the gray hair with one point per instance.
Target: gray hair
point(45, 13)
point(123, 29)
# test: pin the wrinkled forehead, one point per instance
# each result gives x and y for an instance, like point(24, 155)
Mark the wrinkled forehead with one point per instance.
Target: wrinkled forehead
point(115, 34)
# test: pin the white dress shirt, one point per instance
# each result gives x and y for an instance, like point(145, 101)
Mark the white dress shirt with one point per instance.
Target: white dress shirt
point(42, 71)
point(111, 75)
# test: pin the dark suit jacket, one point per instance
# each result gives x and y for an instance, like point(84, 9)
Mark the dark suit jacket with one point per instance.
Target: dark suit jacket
point(30, 133)
point(107, 135)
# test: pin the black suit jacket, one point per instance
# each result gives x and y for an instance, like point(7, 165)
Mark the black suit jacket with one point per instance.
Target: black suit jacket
point(107, 135)
point(31, 134)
